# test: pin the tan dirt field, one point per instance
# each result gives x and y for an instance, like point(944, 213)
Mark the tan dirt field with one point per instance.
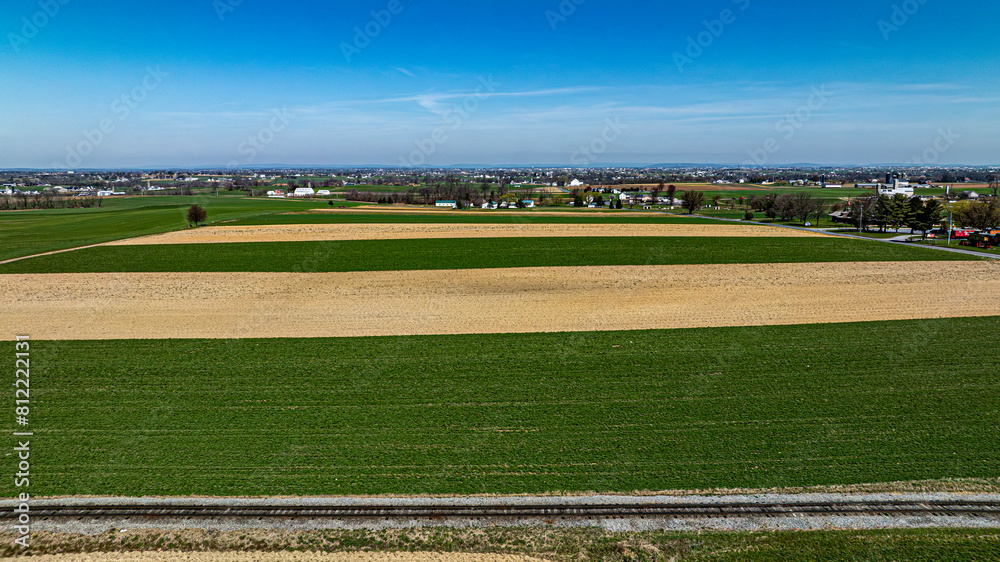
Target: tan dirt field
point(279, 557)
point(264, 305)
point(315, 232)
point(410, 210)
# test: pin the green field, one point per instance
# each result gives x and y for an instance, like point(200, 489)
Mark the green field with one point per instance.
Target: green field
point(24, 233)
point(605, 411)
point(472, 253)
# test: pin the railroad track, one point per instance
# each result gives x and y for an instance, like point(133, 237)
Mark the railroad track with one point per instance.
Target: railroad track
point(566, 511)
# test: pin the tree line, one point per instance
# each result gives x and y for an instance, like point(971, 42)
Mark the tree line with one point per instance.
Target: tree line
point(898, 211)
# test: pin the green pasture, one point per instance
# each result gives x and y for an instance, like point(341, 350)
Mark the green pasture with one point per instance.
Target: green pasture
point(24, 233)
point(470, 253)
point(754, 407)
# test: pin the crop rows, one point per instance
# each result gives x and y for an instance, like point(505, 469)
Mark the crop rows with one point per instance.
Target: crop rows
point(607, 411)
point(396, 255)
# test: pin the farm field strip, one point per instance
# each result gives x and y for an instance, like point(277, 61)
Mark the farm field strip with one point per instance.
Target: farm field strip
point(334, 232)
point(469, 253)
point(580, 213)
point(431, 217)
point(755, 407)
point(517, 300)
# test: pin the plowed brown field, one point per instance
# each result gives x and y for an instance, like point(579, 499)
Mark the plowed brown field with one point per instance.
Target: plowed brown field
point(311, 232)
point(262, 305)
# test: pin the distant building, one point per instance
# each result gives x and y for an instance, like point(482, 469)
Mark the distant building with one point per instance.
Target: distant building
point(447, 204)
point(896, 187)
point(304, 192)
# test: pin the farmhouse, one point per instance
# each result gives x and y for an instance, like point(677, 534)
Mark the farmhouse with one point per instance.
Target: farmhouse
point(446, 204)
point(897, 187)
point(304, 192)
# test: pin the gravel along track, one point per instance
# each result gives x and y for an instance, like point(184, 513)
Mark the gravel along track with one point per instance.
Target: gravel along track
point(753, 512)
point(331, 232)
point(571, 299)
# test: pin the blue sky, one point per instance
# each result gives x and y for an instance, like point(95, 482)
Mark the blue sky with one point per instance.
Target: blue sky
point(499, 82)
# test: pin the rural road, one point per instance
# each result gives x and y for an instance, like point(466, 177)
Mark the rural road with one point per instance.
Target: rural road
point(846, 235)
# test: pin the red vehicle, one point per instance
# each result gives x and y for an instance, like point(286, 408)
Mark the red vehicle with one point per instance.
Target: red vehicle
point(984, 240)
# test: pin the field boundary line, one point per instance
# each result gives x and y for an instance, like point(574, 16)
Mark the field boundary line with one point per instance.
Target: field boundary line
point(54, 252)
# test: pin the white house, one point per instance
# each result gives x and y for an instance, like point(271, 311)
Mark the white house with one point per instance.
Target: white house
point(575, 183)
point(323, 193)
point(896, 188)
point(446, 204)
point(304, 192)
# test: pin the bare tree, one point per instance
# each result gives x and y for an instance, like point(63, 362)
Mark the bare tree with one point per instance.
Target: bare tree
point(196, 215)
point(692, 201)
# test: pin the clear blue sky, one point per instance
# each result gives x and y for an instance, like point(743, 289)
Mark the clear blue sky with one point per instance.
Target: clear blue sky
point(225, 72)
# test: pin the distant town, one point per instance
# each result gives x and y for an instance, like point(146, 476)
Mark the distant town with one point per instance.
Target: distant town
point(336, 182)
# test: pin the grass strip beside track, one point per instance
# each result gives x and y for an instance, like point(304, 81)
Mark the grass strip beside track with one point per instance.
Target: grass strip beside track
point(482, 253)
point(481, 414)
point(555, 544)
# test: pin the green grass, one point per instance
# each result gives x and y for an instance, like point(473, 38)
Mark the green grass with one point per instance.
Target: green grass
point(24, 233)
point(473, 253)
point(606, 411)
point(547, 543)
point(869, 234)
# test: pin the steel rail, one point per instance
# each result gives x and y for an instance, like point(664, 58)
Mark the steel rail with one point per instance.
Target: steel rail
point(670, 510)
